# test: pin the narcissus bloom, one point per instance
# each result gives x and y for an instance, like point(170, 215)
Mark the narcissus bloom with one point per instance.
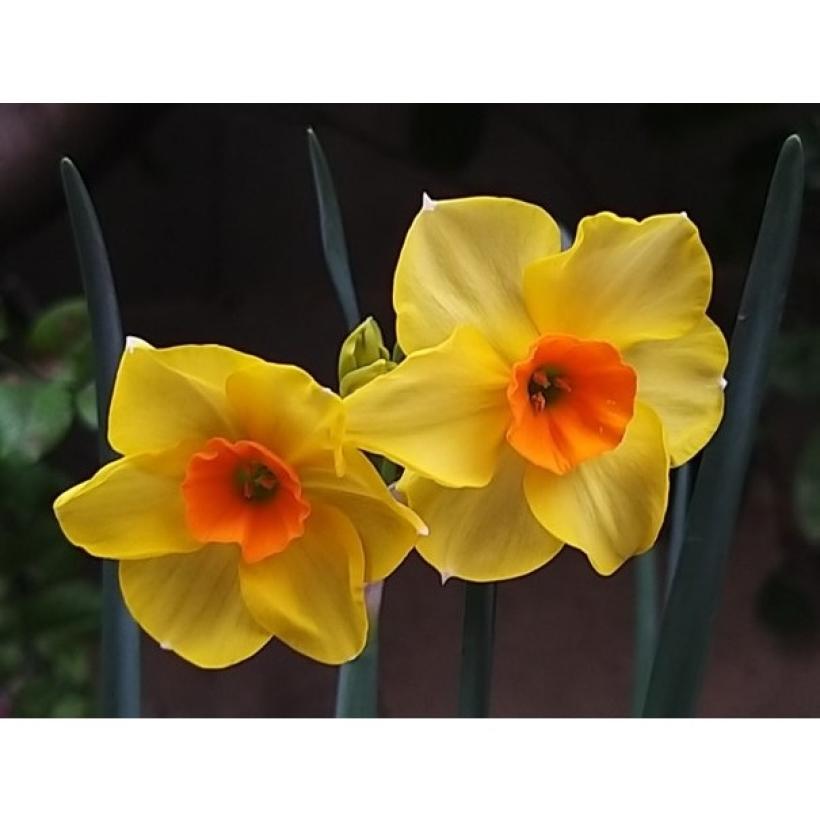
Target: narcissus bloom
point(545, 393)
point(237, 512)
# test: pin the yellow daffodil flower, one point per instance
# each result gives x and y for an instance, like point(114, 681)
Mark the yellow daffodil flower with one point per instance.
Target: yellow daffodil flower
point(545, 393)
point(238, 512)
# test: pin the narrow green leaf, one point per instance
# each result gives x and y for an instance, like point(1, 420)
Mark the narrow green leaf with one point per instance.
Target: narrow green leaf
point(34, 418)
point(332, 230)
point(677, 529)
point(646, 624)
point(120, 638)
point(477, 642)
point(683, 644)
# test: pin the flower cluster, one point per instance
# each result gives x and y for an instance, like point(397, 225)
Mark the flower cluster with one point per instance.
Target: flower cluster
point(544, 397)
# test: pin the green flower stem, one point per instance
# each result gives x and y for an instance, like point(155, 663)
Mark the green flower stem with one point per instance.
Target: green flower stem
point(646, 624)
point(477, 649)
point(357, 693)
point(120, 637)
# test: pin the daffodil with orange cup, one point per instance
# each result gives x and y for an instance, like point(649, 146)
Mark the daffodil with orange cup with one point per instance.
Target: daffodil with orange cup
point(545, 394)
point(238, 512)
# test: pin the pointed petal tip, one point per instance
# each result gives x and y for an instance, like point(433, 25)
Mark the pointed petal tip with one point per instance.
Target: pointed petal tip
point(427, 202)
point(133, 343)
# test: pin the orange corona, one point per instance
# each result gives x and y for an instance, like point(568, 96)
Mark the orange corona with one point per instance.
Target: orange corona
point(240, 492)
point(570, 400)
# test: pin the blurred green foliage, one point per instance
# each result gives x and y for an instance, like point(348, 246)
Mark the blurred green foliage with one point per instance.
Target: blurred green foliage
point(49, 596)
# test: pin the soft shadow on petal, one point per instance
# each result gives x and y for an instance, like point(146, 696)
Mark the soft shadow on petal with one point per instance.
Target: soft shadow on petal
point(462, 264)
point(481, 534)
point(131, 508)
point(442, 412)
point(623, 281)
point(281, 407)
point(191, 604)
point(682, 381)
point(612, 506)
point(311, 596)
point(157, 403)
point(388, 530)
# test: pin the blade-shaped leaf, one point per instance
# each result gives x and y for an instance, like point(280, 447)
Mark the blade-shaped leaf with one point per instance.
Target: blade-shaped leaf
point(685, 630)
point(332, 230)
point(120, 639)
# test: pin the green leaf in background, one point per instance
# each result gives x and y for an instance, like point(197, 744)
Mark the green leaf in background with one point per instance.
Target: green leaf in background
point(34, 418)
point(807, 489)
point(120, 638)
point(85, 403)
point(59, 342)
point(61, 327)
point(795, 368)
point(332, 230)
point(686, 627)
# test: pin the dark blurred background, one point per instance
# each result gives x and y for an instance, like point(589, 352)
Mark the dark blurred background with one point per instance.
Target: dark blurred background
point(210, 220)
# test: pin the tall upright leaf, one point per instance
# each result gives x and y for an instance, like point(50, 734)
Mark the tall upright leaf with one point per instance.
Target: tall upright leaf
point(120, 637)
point(358, 685)
point(683, 644)
point(332, 230)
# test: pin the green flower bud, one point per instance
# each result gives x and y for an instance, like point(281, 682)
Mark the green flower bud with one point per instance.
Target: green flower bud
point(359, 378)
point(362, 348)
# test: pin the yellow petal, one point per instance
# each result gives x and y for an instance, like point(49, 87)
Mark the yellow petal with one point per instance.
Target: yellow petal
point(163, 397)
point(682, 381)
point(311, 596)
point(132, 508)
point(483, 534)
point(623, 281)
point(283, 408)
point(462, 264)
point(192, 605)
point(388, 530)
point(208, 363)
point(442, 412)
point(612, 506)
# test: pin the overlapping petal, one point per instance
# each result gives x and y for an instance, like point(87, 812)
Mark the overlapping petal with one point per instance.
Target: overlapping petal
point(623, 281)
point(610, 507)
point(131, 508)
point(682, 380)
point(388, 530)
point(283, 408)
point(165, 396)
point(192, 604)
point(461, 264)
point(442, 412)
point(481, 534)
point(311, 596)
